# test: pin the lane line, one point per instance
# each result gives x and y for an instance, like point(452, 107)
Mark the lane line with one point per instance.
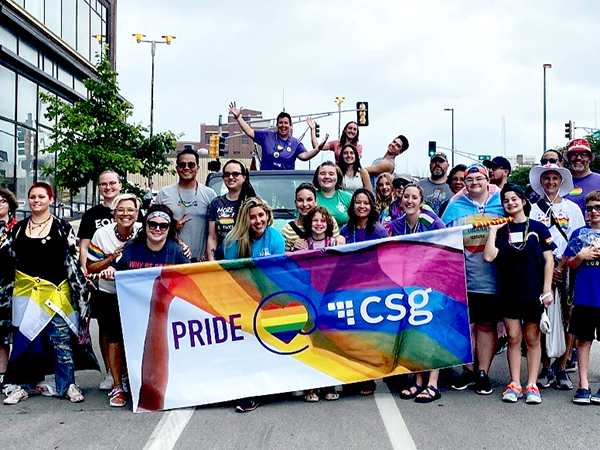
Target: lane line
point(168, 430)
point(392, 419)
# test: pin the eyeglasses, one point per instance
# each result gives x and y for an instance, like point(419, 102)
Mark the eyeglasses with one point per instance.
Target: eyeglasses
point(231, 174)
point(582, 155)
point(590, 208)
point(545, 161)
point(456, 179)
point(189, 165)
point(162, 225)
point(110, 183)
point(475, 180)
point(126, 210)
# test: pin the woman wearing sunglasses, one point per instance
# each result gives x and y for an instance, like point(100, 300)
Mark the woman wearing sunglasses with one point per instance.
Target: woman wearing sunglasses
point(223, 210)
point(155, 245)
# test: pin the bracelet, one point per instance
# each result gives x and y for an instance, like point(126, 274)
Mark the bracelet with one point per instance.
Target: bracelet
point(543, 296)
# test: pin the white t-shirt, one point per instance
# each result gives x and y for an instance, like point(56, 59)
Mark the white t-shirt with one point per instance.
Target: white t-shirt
point(105, 242)
point(569, 218)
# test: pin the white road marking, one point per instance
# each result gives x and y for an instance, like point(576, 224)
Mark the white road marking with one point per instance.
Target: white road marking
point(392, 419)
point(168, 430)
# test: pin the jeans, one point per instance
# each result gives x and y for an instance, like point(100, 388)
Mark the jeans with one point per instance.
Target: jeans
point(59, 334)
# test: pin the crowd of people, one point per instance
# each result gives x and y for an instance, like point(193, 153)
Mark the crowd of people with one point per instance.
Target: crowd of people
point(548, 252)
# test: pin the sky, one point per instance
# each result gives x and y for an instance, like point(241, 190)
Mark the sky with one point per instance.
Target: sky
point(408, 60)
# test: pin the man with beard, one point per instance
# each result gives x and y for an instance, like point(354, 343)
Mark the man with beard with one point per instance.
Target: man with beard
point(435, 188)
point(579, 155)
point(499, 168)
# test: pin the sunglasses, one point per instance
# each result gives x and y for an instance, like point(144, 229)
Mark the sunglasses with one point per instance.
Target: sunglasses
point(162, 225)
point(590, 208)
point(545, 161)
point(231, 174)
point(189, 165)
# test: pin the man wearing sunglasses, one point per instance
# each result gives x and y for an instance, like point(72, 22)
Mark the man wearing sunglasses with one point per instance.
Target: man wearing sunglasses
point(579, 155)
point(189, 201)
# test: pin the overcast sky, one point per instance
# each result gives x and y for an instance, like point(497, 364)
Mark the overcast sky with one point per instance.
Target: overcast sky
point(409, 60)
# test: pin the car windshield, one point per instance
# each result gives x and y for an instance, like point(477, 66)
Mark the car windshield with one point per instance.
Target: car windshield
point(276, 187)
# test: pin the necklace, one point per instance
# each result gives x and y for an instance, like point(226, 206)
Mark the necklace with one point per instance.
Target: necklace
point(408, 229)
point(523, 244)
point(34, 225)
point(182, 202)
point(121, 238)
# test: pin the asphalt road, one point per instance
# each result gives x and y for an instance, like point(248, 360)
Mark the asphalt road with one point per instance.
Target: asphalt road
point(460, 420)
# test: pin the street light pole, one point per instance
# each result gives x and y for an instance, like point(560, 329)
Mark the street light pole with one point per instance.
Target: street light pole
point(167, 40)
point(339, 101)
point(452, 110)
point(546, 66)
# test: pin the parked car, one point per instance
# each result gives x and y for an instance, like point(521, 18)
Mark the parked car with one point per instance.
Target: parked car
point(277, 187)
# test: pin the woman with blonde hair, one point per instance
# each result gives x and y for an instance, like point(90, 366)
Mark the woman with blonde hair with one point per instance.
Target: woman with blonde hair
point(384, 191)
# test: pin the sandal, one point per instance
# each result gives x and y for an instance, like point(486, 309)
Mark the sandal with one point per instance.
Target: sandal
point(117, 398)
point(428, 395)
point(368, 388)
point(311, 396)
point(411, 393)
point(74, 394)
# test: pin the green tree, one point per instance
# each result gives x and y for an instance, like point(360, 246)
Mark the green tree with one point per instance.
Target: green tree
point(520, 176)
point(94, 135)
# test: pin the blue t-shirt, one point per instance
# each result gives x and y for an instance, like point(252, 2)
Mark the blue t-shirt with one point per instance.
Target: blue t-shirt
point(360, 235)
point(136, 255)
point(270, 243)
point(587, 278)
point(277, 153)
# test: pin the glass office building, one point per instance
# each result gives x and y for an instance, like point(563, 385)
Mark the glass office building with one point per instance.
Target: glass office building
point(47, 46)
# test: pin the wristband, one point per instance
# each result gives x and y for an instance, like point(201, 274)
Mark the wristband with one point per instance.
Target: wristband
point(543, 296)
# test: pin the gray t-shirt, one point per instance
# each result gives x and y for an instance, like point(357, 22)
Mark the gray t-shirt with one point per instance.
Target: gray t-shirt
point(195, 230)
point(435, 194)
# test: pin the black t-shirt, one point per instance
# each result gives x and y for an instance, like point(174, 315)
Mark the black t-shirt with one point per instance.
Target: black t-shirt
point(521, 272)
point(221, 211)
point(136, 255)
point(42, 257)
point(93, 219)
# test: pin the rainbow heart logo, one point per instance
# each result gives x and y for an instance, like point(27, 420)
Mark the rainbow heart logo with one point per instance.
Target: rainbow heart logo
point(284, 323)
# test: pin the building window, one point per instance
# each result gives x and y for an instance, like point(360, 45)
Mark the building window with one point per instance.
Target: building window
point(8, 39)
point(83, 29)
point(35, 8)
point(7, 155)
point(26, 101)
point(69, 22)
point(8, 89)
point(28, 52)
point(52, 16)
point(245, 139)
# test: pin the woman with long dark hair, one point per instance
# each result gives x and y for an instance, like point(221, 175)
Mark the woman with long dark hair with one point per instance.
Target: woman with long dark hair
point(349, 136)
point(363, 218)
point(48, 273)
point(355, 176)
point(223, 210)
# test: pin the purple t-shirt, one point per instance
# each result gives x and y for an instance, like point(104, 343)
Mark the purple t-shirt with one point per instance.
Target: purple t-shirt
point(277, 153)
point(582, 187)
point(360, 235)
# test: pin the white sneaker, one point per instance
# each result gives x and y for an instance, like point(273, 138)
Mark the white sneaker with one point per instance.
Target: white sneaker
point(47, 389)
point(16, 396)
point(108, 383)
point(74, 394)
point(9, 389)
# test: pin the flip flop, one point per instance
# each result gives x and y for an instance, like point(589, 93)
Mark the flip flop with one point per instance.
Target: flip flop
point(412, 394)
point(427, 397)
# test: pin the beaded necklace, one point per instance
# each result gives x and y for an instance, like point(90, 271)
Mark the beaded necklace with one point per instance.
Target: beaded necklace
point(182, 202)
point(121, 238)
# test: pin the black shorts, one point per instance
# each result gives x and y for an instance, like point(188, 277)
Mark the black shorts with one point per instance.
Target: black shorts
point(109, 318)
point(528, 311)
point(483, 308)
point(585, 323)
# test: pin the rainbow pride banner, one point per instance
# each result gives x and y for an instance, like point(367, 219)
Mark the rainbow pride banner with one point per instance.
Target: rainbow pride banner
point(215, 331)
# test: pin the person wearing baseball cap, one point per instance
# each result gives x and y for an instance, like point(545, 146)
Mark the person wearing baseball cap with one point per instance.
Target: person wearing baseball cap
point(499, 170)
point(435, 189)
point(579, 154)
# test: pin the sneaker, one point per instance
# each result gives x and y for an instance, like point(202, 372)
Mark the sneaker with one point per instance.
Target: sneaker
point(512, 393)
point(8, 389)
point(117, 398)
point(483, 385)
point(74, 394)
point(331, 394)
point(532, 395)
point(501, 344)
point(16, 396)
point(571, 366)
point(563, 382)
point(46, 389)
point(581, 397)
point(595, 399)
point(247, 405)
point(311, 396)
point(464, 380)
point(108, 383)
point(546, 378)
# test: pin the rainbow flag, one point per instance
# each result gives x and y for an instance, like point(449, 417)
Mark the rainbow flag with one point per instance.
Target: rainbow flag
point(216, 331)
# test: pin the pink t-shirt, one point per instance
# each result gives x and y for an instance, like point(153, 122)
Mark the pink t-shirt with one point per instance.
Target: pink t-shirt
point(335, 145)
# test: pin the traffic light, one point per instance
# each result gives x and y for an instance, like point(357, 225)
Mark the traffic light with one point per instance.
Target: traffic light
point(569, 129)
point(362, 114)
point(213, 147)
point(317, 130)
point(221, 145)
point(432, 148)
